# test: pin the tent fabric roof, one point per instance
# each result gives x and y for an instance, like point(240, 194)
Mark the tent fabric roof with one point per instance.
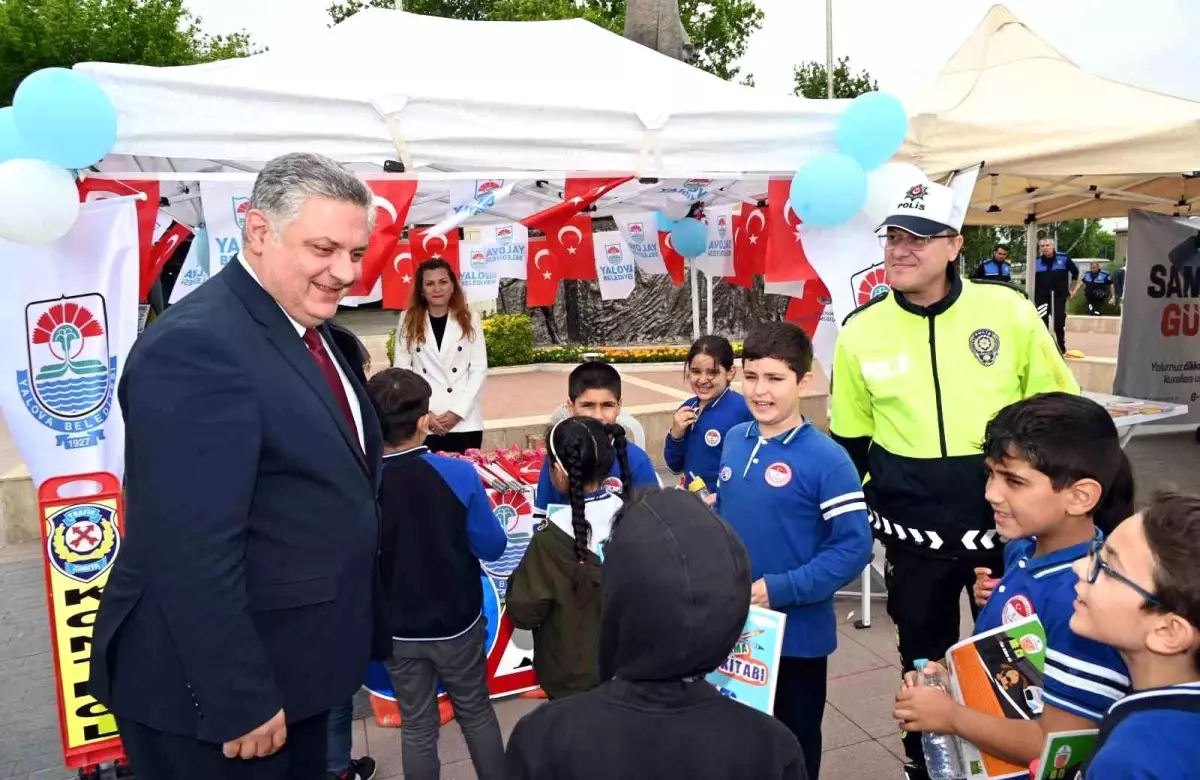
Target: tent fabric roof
point(462, 95)
point(1039, 122)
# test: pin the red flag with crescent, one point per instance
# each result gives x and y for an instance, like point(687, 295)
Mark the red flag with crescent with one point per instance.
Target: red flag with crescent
point(392, 201)
point(163, 251)
point(147, 212)
point(750, 250)
point(542, 277)
point(785, 258)
point(578, 194)
point(742, 275)
point(430, 247)
point(572, 244)
point(397, 274)
point(807, 310)
point(675, 263)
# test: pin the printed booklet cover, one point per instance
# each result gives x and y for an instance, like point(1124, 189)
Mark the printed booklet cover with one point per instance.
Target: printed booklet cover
point(999, 672)
point(1064, 754)
point(751, 671)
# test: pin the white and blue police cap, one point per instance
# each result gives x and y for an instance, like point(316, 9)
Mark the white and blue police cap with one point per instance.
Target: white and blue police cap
point(926, 209)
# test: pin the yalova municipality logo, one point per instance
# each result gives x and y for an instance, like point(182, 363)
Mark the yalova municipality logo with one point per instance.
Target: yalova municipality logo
point(68, 386)
point(82, 541)
point(241, 206)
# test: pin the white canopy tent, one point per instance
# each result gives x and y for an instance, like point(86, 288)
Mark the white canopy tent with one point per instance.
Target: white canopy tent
point(1056, 141)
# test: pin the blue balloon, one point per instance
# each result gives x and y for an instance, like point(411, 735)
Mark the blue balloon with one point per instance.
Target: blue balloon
point(64, 118)
point(665, 223)
point(872, 129)
point(689, 237)
point(828, 190)
point(10, 143)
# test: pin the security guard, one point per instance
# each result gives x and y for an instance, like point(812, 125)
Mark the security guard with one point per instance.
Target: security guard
point(1052, 287)
point(997, 269)
point(917, 374)
point(1097, 288)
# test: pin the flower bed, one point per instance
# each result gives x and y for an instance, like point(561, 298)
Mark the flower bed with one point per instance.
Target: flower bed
point(648, 354)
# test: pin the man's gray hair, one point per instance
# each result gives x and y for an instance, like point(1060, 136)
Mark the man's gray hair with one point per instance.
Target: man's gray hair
point(286, 182)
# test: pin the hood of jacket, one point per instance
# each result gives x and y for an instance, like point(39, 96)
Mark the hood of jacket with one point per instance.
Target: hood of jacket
point(675, 590)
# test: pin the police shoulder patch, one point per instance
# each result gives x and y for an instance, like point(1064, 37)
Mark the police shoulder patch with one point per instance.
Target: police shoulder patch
point(985, 345)
point(878, 298)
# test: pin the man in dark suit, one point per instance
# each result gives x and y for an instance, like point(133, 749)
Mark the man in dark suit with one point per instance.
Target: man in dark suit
point(241, 607)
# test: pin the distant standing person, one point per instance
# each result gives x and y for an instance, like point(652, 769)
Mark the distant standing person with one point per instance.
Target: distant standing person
point(1052, 288)
point(441, 340)
point(1097, 288)
point(996, 268)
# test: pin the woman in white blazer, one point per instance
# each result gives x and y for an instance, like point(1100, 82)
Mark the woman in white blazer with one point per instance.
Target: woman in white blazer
point(441, 340)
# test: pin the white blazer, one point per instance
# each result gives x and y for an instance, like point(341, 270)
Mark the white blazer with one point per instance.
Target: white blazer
point(455, 372)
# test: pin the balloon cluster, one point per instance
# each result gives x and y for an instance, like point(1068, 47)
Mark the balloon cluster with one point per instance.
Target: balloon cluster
point(60, 121)
point(831, 188)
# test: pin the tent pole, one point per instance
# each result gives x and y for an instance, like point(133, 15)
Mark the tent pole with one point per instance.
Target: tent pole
point(829, 47)
point(709, 302)
point(695, 283)
point(398, 5)
point(1031, 253)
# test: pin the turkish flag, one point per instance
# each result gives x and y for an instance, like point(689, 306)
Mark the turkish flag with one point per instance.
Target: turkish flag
point(434, 247)
point(542, 277)
point(147, 212)
point(398, 273)
point(579, 194)
point(785, 261)
point(742, 275)
point(751, 252)
point(572, 244)
point(806, 311)
point(392, 201)
point(671, 259)
point(162, 252)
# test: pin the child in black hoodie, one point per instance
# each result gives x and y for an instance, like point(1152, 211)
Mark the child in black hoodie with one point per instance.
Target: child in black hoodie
point(673, 603)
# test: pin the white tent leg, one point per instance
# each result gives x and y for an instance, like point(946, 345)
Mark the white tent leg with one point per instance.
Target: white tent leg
point(695, 283)
point(1031, 254)
point(709, 301)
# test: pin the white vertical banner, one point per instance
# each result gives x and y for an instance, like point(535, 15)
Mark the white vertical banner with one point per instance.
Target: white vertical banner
point(507, 248)
point(640, 231)
point(717, 259)
point(74, 309)
point(478, 280)
point(196, 269)
point(615, 266)
point(224, 204)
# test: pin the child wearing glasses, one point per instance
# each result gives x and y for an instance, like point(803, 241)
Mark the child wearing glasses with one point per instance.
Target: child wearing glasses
point(1140, 593)
point(1058, 480)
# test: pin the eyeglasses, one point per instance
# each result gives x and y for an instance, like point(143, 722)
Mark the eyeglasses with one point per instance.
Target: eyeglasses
point(1096, 564)
point(899, 240)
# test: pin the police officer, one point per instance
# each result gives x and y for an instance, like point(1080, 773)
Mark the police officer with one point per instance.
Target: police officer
point(997, 269)
point(1097, 288)
point(1052, 287)
point(917, 374)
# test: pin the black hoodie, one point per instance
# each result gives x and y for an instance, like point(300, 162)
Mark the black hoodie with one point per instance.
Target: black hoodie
point(675, 593)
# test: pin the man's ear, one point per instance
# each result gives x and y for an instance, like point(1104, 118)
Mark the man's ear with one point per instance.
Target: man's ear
point(1083, 497)
point(258, 230)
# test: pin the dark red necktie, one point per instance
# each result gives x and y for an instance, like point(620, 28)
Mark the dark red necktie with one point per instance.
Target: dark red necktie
point(316, 348)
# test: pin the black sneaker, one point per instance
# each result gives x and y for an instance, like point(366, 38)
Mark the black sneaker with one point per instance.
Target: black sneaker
point(914, 772)
point(360, 769)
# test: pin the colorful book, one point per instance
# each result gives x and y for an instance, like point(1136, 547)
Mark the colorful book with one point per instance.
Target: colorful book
point(999, 672)
point(1064, 754)
point(751, 671)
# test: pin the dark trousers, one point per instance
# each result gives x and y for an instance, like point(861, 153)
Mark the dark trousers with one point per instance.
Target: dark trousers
point(460, 663)
point(800, 705)
point(341, 726)
point(455, 442)
point(155, 755)
point(1052, 305)
point(923, 599)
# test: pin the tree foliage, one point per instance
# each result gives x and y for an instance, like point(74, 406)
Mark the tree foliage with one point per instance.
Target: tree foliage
point(36, 34)
point(720, 29)
point(812, 80)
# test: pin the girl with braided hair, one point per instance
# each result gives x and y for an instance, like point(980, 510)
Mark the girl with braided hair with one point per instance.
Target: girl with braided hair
point(555, 590)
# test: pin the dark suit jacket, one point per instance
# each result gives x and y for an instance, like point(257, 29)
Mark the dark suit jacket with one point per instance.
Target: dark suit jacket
point(247, 577)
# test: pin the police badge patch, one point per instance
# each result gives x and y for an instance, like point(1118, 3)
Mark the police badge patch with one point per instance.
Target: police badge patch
point(985, 345)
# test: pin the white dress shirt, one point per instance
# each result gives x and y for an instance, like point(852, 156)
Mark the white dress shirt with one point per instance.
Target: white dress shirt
point(351, 396)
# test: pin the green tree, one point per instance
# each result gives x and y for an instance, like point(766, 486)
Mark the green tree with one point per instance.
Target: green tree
point(812, 80)
point(1081, 238)
point(720, 29)
point(36, 34)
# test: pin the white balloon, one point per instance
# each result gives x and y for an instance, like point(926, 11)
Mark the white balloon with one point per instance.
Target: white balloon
point(886, 185)
point(39, 202)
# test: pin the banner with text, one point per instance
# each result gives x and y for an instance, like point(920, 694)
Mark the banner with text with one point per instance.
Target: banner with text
point(476, 275)
point(1159, 354)
point(640, 231)
point(717, 260)
point(615, 266)
point(74, 304)
point(225, 204)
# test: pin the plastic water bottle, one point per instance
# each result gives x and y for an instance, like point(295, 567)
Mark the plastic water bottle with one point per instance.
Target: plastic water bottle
point(698, 487)
point(942, 759)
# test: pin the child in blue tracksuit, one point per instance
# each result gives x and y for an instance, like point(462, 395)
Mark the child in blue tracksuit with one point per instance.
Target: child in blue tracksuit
point(1140, 593)
point(1058, 482)
point(795, 499)
point(594, 390)
point(698, 430)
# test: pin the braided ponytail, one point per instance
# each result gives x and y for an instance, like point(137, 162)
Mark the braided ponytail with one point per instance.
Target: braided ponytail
point(620, 444)
point(576, 480)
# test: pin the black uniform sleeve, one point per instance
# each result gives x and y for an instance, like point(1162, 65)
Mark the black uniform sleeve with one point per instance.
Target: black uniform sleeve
point(1073, 270)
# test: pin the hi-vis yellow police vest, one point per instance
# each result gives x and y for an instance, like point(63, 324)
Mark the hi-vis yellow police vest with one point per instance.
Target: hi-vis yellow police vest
point(921, 384)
